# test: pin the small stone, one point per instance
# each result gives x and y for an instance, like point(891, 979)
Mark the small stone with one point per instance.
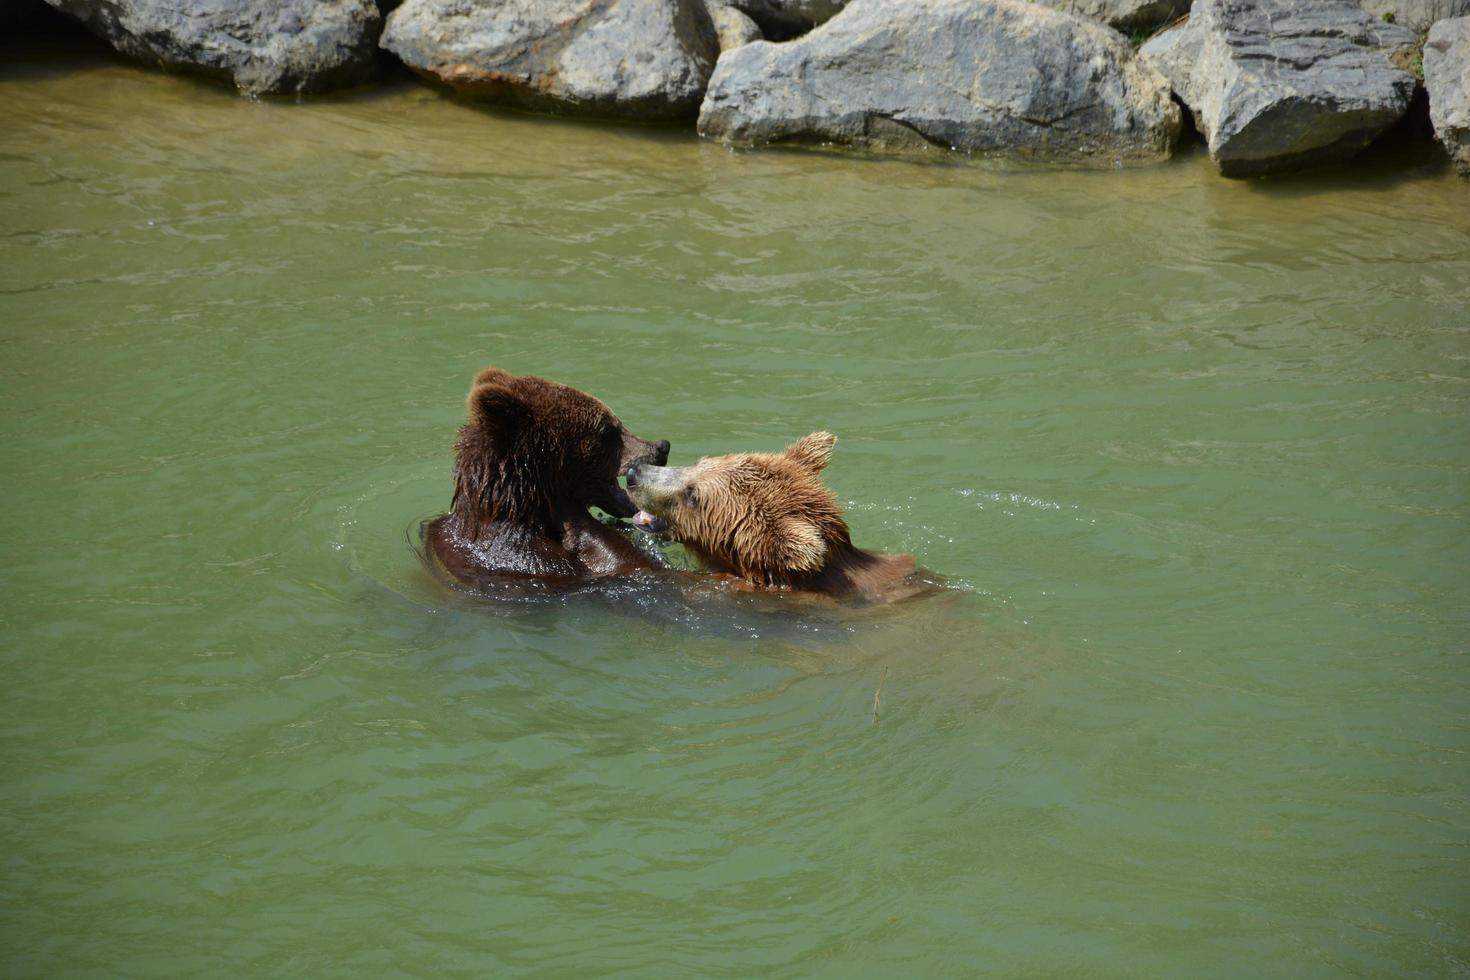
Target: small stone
point(1125, 15)
point(734, 28)
point(782, 20)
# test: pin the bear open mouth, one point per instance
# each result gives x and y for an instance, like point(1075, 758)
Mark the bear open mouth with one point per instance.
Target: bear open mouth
point(651, 523)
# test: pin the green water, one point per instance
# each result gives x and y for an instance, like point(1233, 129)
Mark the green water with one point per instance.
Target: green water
point(1194, 455)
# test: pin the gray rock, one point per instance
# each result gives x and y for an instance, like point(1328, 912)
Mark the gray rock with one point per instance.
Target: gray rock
point(1124, 15)
point(976, 75)
point(631, 59)
point(780, 20)
point(1173, 52)
point(733, 28)
point(260, 46)
point(1416, 15)
point(1280, 85)
point(1447, 79)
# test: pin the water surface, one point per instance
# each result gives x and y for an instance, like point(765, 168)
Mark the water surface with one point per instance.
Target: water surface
point(1193, 453)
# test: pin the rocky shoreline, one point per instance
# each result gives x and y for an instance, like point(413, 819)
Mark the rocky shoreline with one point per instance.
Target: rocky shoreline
point(1271, 86)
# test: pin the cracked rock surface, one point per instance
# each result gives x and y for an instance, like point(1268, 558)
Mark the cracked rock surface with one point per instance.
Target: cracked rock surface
point(262, 47)
point(1001, 76)
point(1416, 15)
point(1278, 85)
point(1447, 78)
point(628, 59)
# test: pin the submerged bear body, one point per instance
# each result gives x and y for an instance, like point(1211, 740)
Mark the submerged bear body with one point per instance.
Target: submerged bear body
point(531, 458)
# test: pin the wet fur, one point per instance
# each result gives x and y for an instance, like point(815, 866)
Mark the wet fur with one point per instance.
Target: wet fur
point(532, 456)
point(768, 520)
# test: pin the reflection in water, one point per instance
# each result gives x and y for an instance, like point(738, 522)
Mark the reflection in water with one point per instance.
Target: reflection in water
point(683, 599)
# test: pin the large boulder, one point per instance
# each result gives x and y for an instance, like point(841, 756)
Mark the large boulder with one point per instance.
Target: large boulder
point(1125, 15)
point(263, 47)
point(1280, 85)
point(630, 59)
point(1447, 79)
point(1416, 15)
point(977, 75)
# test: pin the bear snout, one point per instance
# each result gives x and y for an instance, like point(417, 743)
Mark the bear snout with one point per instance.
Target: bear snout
point(641, 452)
point(655, 480)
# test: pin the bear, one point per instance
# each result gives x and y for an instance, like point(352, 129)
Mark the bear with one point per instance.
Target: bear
point(766, 521)
point(530, 459)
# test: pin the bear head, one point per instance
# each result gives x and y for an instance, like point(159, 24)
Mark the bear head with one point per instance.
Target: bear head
point(766, 517)
point(533, 452)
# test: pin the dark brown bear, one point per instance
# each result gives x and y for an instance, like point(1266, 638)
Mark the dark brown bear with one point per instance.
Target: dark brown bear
point(767, 520)
point(531, 458)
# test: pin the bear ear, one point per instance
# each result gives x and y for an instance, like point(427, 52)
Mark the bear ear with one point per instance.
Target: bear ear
point(813, 451)
point(489, 374)
point(802, 548)
point(495, 409)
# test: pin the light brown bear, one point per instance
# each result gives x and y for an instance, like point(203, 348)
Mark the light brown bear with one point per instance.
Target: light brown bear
point(532, 456)
point(767, 520)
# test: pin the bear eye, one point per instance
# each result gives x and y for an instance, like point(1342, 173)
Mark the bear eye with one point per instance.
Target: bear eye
point(607, 430)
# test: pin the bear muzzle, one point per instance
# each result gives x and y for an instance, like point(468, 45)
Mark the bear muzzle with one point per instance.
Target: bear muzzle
point(636, 452)
point(656, 479)
point(654, 490)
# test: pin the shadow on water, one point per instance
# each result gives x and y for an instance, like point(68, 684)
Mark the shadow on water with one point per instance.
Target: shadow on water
point(1405, 153)
point(45, 44)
